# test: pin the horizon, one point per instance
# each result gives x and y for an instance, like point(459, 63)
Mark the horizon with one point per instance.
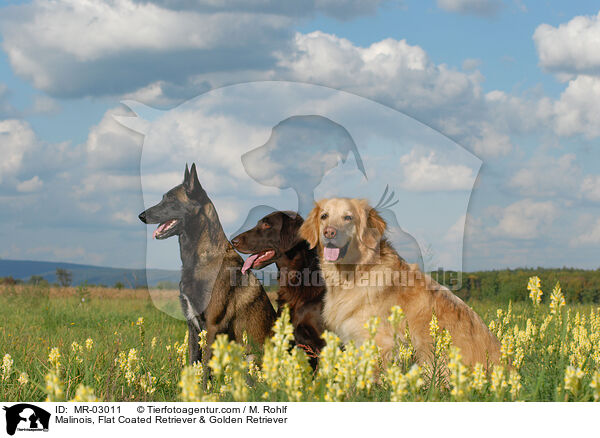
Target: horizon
point(519, 268)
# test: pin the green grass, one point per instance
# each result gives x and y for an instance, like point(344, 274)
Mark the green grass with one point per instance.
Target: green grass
point(35, 319)
point(33, 322)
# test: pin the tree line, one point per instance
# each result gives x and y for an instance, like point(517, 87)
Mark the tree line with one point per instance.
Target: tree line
point(578, 285)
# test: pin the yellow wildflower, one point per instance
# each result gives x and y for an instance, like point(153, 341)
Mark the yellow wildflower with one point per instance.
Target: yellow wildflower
point(77, 349)
point(54, 358)
point(7, 363)
point(403, 385)
point(84, 393)
point(129, 365)
point(227, 365)
point(595, 385)
point(572, 380)
point(514, 380)
point(478, 377)
point(396, 317)
point(535, 290)
point(141, 329)
point(54, 387)
point(557, 299)
point(191, 390)
point(441, 337)
point(285, 369)
point(147, 382)
point(458, 374)
point(498, 381)
point(23, 379)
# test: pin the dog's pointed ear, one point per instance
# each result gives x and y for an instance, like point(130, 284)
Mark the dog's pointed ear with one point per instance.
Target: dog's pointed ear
point(309, 230)
point(186, 175)
point(191, 183)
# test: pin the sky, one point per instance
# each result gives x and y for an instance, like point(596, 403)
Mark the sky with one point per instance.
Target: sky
point(506, 93)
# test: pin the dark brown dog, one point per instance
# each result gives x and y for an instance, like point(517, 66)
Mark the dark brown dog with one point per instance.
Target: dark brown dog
point(275, 239)
point(213, 295)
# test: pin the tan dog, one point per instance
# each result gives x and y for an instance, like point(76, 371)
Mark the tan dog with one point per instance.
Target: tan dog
point(365, 277)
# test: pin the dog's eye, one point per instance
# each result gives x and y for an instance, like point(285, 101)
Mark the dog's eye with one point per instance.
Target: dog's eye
point(348, 218)
point(265, 226)
point(324, 216)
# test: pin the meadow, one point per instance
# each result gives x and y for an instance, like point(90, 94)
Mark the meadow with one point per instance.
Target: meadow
point(89, 344)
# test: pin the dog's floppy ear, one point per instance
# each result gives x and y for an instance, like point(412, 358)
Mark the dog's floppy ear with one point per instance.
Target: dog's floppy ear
point(191, 183)
point(289, 237)
point(309, 230)
point(372, 226)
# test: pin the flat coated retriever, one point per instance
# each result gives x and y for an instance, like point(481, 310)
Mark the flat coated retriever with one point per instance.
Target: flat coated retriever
point(275, 239)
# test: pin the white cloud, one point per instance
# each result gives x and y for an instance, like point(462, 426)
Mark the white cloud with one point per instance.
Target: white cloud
point(548, 176)
point(572, 47)
point(572, 52)
point(578, 109)
point(31, 185)
point(402, 76)
point(95, 47)
point(127, 217)
point(485, 8)
point(16, 140)
point(111, 146)
point(102, 182)
point(590, 188)
point(229, 212)
point(515, 114)
point(391, 71)
point(590, 237)
point(525, 219)
point(73, 47)
point(160, 182)
point(426, 173)
point(456, 232)
point(487, 142)
point(6, 108)
point(471, 64)
point(342, 9)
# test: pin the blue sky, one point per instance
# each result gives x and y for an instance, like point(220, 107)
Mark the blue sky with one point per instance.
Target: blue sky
point(516, 83)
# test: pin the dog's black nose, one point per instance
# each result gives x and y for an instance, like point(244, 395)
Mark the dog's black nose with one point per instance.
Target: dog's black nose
point(235, 241)
point(142, 216)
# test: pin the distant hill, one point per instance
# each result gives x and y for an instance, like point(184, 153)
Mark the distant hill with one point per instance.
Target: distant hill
point(24, 269)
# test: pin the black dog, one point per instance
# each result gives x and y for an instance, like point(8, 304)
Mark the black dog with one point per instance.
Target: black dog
point(212, 294)
point(275, 239)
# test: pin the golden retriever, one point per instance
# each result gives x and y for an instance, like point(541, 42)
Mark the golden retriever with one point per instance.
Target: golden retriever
point(365, 277)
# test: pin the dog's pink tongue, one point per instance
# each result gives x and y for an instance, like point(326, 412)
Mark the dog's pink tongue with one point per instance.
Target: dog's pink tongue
point(248, 263)
point(159, 230)
point(331, 254)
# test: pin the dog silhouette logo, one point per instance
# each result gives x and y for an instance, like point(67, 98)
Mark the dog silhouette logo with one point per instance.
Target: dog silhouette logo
point(299, 153)
point(26, 417)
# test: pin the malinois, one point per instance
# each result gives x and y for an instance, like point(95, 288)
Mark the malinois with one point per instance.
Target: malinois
point(214, 295)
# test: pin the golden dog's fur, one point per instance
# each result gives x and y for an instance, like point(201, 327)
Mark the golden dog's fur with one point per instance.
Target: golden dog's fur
point(370, 278)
